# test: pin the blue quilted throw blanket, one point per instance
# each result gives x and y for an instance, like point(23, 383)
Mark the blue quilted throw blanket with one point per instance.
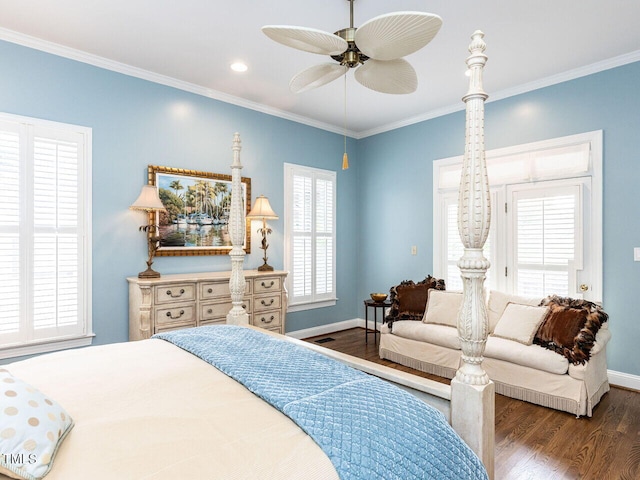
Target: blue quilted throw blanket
point(369, 428)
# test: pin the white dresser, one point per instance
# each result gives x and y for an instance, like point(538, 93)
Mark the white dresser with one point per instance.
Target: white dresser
point(193, 299)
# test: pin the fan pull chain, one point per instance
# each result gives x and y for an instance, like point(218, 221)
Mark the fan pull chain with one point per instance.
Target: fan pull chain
point(345, 158)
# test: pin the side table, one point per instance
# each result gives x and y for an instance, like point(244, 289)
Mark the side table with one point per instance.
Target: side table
point(375, 305)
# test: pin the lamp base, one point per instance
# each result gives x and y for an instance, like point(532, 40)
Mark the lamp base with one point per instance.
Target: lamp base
point(265, 268)
point(149, 273)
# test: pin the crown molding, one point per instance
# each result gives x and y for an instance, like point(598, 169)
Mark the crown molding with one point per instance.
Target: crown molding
point(101, 62)
point(125, 69)
point(597, 67)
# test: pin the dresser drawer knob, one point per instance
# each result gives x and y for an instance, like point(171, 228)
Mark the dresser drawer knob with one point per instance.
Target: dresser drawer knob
point(271, 319)
point(210, 290)
point(264, 285)
point(170, 315)
point(210, 311)
point(265, 303)
point(175, 296)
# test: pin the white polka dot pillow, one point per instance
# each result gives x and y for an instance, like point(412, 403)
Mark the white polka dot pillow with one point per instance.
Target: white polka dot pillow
point(32, 428)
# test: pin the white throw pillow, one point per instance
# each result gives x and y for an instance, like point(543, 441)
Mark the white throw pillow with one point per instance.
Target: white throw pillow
point(498, 301)
point(520, 322)
point(442, 307)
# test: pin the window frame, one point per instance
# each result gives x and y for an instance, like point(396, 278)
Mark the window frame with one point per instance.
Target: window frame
point(592, 195)
point(28, 130)
point(314, 300)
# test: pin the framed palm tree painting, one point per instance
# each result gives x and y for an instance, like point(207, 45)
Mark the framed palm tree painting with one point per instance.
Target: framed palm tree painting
point(197, 205)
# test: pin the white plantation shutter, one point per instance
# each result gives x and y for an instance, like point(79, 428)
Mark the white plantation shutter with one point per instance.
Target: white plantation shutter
point(302, 253)
point(547, 238)
point(324, 236)
point(44, 276)
point(455, 249)
point(10, 251)
point(310, 234)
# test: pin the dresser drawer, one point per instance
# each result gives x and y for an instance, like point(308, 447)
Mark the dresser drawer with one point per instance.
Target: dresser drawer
point(183, 314)
point(168, 328)
point(220, 289)
point(267, 302)
point(266, 285)
point(220, 309)
point(269, 320)
point(174, 293)
point(214, 321)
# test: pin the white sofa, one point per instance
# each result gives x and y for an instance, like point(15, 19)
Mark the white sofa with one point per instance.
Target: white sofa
point(526, 372)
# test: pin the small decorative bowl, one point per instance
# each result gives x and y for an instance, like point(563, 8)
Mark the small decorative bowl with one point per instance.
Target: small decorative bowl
point(378, 297)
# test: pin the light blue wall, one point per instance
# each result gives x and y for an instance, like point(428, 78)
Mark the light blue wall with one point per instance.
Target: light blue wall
point(396, 178)
point(384, 199)
point(136, 123)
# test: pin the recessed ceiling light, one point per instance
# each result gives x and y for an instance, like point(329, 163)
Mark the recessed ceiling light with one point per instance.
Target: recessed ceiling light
point(239, 67)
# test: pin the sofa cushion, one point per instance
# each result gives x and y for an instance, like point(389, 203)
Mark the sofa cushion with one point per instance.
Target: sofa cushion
point(498, 302)
point(571, 327)
point(441, 335)
point(412, 300)
point(442, 308)
point(520, 322)
point(409, 299)
point(533, 356)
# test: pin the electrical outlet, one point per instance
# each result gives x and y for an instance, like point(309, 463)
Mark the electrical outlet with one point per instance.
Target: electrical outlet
point(414, 250)
point(636, 254)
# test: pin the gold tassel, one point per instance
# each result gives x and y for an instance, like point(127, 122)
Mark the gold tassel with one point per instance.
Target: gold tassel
point(345, 161)
point(345, 158)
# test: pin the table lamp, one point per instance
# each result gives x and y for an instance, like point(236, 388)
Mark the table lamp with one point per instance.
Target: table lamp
point(149, 201)
point(262, 211)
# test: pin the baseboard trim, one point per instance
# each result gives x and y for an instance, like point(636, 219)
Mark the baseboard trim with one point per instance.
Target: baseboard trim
point(329, 328)
point(624, 380)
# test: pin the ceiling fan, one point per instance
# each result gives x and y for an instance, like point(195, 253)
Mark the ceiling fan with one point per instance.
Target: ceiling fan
point(381, 43)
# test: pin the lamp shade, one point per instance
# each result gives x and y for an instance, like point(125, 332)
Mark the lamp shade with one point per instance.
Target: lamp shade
point(148, 199)
point(262, 210)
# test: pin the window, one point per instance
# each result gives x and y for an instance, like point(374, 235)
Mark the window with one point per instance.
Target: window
point(545, 227)
point(453, 245)
point(45, 280)
point(546, 219)
point(310, 236)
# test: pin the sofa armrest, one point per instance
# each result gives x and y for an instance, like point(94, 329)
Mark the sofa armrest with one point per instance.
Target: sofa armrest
point(596, 368)
point(602, 338)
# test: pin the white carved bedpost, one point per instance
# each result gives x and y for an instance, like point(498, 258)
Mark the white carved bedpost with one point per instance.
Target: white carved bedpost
point(472, 393)
point(237, 315)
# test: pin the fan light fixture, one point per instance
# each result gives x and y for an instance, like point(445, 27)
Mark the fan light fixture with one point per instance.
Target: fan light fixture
point(381, 43)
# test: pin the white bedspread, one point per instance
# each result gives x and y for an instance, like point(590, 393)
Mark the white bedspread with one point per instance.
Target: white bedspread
point(149, 410)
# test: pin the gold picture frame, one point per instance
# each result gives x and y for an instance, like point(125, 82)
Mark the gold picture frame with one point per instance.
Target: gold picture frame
point(197, 211)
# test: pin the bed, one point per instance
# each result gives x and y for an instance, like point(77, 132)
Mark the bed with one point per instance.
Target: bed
point(235, 402)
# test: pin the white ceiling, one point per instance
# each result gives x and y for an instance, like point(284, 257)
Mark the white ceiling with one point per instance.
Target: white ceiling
point(191, 43)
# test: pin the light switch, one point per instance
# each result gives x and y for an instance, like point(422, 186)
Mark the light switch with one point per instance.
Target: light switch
point(414, 250)
point(636, 254)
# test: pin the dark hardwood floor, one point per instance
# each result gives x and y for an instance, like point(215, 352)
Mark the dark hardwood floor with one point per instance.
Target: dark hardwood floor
point(534, 442)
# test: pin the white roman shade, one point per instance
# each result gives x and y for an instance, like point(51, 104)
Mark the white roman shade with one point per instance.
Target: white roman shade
point(508, 168)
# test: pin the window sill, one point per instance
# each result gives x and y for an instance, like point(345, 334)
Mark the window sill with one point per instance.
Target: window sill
point(298, 307)
point(46, 346)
